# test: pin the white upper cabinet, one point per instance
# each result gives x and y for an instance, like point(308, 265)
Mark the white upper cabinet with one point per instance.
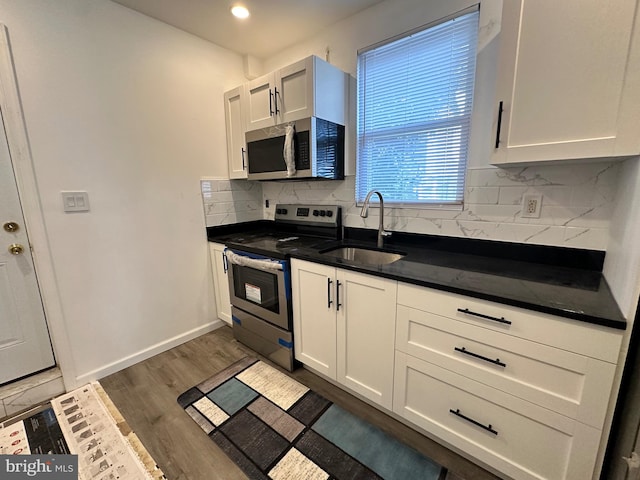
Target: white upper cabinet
point(260, 110)
point(234, 118)
point(568, 81)
point(295, 92)
point(310, 87)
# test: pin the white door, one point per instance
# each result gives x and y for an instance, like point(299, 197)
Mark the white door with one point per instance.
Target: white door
point(563, 80)
point(220, 281)
point(314, 315)
point(260, 108)
point(295, 91)
point(25, 347)
point(365, 333)
point(236, 145)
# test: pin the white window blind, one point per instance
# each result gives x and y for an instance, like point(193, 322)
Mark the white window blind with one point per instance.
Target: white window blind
point(415, 96)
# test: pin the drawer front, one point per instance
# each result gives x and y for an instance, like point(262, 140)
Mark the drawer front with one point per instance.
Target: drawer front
point(587, 339)
point(516, 437)
point(568, 383)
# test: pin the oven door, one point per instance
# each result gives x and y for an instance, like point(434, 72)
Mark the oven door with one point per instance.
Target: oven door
point(260, 286)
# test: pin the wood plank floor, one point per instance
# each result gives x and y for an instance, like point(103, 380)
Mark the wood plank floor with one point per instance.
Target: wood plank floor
point(146, 396)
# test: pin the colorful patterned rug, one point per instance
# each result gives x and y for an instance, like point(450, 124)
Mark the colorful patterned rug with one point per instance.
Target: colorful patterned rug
point(273, 427)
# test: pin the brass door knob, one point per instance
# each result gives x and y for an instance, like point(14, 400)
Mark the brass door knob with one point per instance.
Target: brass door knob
point(11, 227)
point(16, 249)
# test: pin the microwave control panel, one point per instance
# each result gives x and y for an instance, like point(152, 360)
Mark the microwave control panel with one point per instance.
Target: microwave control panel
point(303, 159)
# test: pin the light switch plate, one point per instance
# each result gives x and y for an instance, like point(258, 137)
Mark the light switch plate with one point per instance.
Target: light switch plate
point(75, 201)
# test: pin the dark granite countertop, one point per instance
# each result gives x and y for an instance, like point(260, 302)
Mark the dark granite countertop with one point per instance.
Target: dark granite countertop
point(554, 280)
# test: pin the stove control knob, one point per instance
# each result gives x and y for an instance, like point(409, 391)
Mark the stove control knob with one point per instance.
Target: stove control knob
point(329, 213)
point(322, 213)
point(316, 213)
point(283, 211)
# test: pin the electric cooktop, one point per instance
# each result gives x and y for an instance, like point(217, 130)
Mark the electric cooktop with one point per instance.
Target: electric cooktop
point(295, 227)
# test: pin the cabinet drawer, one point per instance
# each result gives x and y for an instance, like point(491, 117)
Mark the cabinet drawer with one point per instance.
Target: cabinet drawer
point(573, 385)
point(587, 339)
point(516, 437)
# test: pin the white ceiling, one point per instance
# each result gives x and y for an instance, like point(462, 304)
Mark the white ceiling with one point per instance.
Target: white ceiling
point(272, 25)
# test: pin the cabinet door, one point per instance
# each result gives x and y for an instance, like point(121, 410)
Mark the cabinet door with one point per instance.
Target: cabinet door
point(521, 440)
point(294, 91)
point(563, 81)
point(236, 145)
point(366, 318)
point(260, 106)
point(573, 385)
point(220, 282)
point(314, 316)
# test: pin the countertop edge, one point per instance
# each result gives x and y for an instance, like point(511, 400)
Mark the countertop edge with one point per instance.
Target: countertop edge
point(620, 324)
point(605, 322)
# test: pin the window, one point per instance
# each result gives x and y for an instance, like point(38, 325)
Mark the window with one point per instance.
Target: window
point(415, 95)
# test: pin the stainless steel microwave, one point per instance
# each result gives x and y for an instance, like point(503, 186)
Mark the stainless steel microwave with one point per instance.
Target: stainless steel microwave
point(316, 148)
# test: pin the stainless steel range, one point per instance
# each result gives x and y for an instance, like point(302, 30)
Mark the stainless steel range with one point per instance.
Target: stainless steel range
point(260, 277)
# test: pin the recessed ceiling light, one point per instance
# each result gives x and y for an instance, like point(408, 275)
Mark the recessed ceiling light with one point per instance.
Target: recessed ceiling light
point(239, 11)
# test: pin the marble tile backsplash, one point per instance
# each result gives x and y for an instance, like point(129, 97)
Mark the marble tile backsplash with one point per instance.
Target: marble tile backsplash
point(577, 203)
point(231, 201)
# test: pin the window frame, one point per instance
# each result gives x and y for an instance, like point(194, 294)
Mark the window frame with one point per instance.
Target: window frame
point(433, 123)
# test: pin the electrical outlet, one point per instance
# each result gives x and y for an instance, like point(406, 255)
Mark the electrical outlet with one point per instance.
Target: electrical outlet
point(531, 205)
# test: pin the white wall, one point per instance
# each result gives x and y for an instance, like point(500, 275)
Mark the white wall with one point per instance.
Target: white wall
point(622, 271)
point(394, 17)
point(130, 110)
point(578, 199)
point(622, 265)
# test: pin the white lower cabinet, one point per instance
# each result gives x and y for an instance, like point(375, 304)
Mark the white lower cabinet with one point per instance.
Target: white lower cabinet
point(516, 437)
point(562, 381)
point(522, 392)
point(314, 317)
point(344, 327)
point(220, 281)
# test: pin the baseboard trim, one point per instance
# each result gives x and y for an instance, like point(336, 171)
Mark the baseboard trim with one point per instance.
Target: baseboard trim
point(160, 347)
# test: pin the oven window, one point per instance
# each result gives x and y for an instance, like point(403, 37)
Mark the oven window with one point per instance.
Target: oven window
point(256, 286)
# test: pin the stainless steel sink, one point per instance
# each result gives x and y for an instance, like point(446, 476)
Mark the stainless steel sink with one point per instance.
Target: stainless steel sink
point(364, 256)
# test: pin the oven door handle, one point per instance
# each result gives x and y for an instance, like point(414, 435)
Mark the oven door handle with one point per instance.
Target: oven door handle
point(259, 263)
